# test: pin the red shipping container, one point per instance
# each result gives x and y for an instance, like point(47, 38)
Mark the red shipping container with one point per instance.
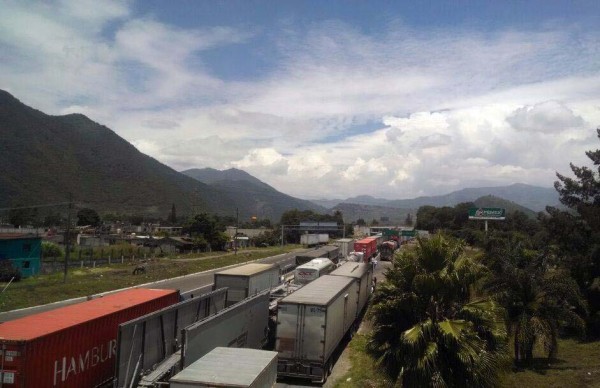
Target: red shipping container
point(368, 246)
point(73, 346)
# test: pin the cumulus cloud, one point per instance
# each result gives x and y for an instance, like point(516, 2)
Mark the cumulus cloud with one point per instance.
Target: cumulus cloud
point(548, 116)
point(263, 159)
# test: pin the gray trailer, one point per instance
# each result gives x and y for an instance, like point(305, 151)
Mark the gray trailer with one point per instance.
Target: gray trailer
point(230, 367)
point(346, 246)
point(243, 325)
point(311, 323)
point(363, 273)
point(247, 280)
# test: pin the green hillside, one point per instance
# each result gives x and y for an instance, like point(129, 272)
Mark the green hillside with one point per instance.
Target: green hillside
point(252, 196)
point(45, 157)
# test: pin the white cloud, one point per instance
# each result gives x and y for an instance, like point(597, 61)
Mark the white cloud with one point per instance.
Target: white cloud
point(548, 116)
point(447, 108)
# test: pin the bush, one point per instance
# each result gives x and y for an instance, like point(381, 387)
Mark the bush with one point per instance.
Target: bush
point(50, 249)
point(8, 271)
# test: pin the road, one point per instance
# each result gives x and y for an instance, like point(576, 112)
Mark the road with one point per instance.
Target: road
point(201, 282)
point(196, 284)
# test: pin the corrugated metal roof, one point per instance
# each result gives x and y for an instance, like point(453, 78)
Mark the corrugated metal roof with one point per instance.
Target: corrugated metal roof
point(320, 291)
point(237, 367)
point(352, 269)
point(247, 270)
point(47, 322)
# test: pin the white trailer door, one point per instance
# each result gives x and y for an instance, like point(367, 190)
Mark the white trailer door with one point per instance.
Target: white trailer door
point(301, 332)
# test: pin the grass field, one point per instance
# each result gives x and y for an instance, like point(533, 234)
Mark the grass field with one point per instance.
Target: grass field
point(44, 289)
point(577, 366)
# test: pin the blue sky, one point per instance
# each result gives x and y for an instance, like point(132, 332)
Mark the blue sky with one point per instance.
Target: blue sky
point(323, 99)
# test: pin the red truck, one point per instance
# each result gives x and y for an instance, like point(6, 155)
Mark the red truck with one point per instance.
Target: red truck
point(368, 246)
point(73, 346)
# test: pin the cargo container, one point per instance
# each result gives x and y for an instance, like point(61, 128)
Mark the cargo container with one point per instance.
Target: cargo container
point(311, 323)
point(357, 257)
point(230, 368)
point(306, 273)
point(73, 346)
point(368, 246)
point(247, 280)
point(147, 341)
point(332, 252)
point(363, 273)
point(387, 249)
point(243, 325)
point(329, 251)
point(309, 240)
point(346, 246)
point(323, 238)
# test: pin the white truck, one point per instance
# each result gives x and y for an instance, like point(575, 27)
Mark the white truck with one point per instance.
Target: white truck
point(247, 280)
point(311, 323)
point(363, 273)
point(306, 273)
point(230, 368)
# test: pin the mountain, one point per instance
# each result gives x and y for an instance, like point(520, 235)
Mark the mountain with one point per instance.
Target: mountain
point(354, 211)
point(510, 206)
point(531, 197)
point(45, 157)
point(252, 196)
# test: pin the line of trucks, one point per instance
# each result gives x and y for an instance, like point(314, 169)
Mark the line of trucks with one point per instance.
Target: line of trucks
point(147, 337)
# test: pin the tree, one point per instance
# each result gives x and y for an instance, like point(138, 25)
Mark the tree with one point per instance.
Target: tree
point(22, 216)
point(87, 216)
point(361, 222)
point(582, 195)
point(427, 328)
point(173, 215)
point(539, 299)
point(408, 221)
point(205, 230)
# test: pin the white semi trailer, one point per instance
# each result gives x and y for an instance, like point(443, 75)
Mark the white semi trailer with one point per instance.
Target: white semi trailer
point(363, 273)
point(312, 322)
point(247, 280)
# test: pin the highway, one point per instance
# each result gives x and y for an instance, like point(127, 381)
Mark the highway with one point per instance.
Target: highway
point(195, 284)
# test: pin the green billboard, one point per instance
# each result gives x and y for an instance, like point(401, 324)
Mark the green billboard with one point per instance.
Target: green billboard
point(408, 233)
point(487, 213)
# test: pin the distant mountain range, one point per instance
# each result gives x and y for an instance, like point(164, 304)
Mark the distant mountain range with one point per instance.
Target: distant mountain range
point(532, 197)
point(395, 215)
point(253, 196)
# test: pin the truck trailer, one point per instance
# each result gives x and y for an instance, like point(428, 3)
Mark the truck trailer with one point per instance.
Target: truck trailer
point(247, 280)
point(230, 368)
point(311, 323)
point(368, 246)
point(363, 273)
point(73, 346)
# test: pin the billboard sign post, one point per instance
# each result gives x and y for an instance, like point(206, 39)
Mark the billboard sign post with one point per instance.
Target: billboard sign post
point(487, 213)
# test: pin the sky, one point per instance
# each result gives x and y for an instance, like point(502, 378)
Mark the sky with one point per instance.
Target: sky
point(323, 99)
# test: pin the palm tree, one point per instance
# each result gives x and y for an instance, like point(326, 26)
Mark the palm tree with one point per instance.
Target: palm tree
point(427, 330)
point(539, 298)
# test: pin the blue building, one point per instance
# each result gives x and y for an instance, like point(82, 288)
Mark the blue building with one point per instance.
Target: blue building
point(23, 250)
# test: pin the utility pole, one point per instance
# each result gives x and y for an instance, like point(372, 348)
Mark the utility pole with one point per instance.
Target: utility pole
point(282, 235)
point(68, 237)
point(237, 222)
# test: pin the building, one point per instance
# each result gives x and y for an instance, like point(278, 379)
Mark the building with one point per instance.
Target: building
point(23, 250)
